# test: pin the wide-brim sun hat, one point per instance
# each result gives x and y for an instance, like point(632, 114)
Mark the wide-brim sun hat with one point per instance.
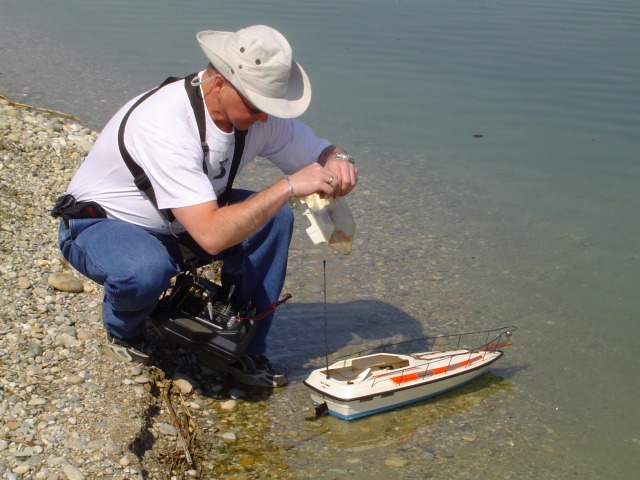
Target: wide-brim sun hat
point(258, 61)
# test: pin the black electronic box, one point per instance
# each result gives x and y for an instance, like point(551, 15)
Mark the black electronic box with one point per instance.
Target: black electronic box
point(204, 317)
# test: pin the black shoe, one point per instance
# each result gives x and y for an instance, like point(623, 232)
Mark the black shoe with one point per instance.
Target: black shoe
point(253, 370)
point(130, 350)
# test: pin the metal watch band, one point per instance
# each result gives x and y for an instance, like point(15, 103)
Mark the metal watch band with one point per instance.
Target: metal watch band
point(345, 156)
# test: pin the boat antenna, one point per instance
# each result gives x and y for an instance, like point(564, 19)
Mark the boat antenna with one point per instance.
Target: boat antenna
point(326, 341)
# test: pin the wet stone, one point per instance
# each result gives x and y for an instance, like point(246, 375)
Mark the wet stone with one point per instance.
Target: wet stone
point(229, 405)
point(396, 462)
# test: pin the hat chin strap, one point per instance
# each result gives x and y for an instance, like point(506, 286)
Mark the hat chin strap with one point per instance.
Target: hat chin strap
point(196, 82)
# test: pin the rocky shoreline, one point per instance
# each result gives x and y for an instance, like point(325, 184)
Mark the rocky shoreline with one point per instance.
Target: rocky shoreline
point(67, 411)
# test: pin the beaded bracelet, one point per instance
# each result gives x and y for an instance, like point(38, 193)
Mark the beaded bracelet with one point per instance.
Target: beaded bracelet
point(292, 197)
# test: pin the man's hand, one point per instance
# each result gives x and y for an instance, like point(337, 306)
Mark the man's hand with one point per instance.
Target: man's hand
point(313, 178)
point(344, 173)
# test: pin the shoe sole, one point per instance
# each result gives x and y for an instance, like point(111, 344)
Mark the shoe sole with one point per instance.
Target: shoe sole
point(244, 378)
point(120, 354)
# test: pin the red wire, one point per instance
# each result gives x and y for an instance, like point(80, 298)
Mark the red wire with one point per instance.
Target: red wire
point(271, 309)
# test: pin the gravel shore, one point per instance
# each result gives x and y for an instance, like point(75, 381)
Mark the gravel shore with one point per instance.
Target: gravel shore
point(66, 410)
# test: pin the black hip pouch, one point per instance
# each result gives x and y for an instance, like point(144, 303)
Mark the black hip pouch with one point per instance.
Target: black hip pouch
point(67, 207)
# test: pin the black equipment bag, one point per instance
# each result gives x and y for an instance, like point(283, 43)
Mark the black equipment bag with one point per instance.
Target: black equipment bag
point(202, 316)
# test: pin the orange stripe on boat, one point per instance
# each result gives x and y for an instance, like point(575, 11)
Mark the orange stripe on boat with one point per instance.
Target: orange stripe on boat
point(470, 360)
point(410, 377)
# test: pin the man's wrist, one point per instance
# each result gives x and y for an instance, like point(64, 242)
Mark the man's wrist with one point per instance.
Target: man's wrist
point(343, 156)
point(292, 194)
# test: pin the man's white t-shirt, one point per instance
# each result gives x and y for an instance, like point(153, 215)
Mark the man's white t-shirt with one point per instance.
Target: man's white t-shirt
point(162, 137)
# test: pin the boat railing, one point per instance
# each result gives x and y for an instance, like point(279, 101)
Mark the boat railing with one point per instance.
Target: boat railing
point(434, 366)
point(484, 340)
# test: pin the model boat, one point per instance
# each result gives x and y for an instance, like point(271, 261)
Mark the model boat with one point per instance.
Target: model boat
point(379, 379)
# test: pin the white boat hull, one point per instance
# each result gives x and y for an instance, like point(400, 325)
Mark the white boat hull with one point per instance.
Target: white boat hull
point(359, 387)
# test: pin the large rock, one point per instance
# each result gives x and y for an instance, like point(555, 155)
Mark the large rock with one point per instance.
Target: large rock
point(65, 282)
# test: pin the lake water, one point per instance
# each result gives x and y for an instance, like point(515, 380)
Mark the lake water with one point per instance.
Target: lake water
point(498, 144)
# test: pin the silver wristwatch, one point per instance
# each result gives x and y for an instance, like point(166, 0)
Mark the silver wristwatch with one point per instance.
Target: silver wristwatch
point(344, 156)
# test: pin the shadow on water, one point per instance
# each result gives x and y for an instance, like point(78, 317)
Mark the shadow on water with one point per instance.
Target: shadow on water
point(302, 339)
point(298, 334)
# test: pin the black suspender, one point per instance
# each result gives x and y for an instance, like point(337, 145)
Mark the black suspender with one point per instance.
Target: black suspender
point(198, 109)
point(140, 177)
point(240, 136)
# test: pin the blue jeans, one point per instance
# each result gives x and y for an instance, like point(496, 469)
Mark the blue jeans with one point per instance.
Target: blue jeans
point(135, 265)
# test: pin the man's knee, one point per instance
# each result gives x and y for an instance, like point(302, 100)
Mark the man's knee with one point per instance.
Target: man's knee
point(139, 286)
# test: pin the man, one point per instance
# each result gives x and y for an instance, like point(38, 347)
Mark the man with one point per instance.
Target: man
point(252, 83)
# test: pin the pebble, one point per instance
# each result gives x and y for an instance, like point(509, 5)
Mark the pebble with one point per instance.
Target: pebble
point(65, 282)
point(22, 468)
point(72, 472)
point(427, 455)
point(142, 379)
point(166, 429)
point(396, 462)
point(112, 448)
point(229, 405)
point(183, 383)
point(229, 437)
point(74, 379)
